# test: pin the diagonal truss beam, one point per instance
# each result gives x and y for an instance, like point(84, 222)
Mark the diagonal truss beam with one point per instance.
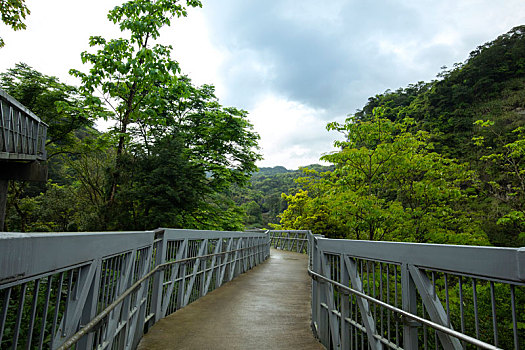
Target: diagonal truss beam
point(364, 306)
point(217, 249)
point(202, 249)
point(75, 305)
point(181, 253)
point(433, 306)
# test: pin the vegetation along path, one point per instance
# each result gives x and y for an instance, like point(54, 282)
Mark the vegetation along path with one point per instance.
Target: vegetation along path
point(265, 308)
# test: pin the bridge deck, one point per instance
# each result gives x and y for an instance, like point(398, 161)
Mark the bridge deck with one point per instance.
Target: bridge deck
point(265, 308)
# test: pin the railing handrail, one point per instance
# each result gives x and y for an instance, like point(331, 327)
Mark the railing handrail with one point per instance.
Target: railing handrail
point(355, 262)
point(96, 320)
point(159, 260)
point(22, 133)
point(403, 313)
point(122, 281)
point(497, 263)
point(20, 106)
point(415, 263)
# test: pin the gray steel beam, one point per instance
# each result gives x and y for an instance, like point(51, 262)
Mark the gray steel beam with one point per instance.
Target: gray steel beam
point(409, 301)
point(505, 264)
point(22, 133)
point(23, 255)
point(433, 306)
point(364, 305)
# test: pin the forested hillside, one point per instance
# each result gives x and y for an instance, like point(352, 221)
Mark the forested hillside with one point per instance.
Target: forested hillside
point(262, 200)
point(440, 162)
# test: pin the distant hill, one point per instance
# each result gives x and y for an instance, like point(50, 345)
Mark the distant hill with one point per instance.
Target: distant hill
point(262, 200)
point(272, 170)
point(490, 84)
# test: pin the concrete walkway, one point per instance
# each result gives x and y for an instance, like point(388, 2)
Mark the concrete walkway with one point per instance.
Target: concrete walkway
point(265, 308)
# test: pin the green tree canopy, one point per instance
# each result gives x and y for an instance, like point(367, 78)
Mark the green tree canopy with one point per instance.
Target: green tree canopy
point(388, 184)
point(164, 125)
point(13, 14)
point(180, 165)
point(131, 72)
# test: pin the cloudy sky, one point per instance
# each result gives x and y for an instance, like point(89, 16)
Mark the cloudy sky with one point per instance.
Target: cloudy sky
point(293, 64)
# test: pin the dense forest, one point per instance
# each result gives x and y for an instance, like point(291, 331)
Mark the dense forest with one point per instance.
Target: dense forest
point(170, 157)
point(263, 201)
point(436, 162)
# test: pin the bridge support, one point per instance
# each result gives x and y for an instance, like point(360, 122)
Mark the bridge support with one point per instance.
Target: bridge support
point(24, 171)
point(22, 147)
point(20, 171)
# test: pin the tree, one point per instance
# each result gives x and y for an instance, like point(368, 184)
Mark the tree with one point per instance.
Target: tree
point(171, 157)
point(176, 148)
point(13, 14)
point(220, 139)
point(506, 157)
point(176, 171)
point(130, 72)
point(387, 185)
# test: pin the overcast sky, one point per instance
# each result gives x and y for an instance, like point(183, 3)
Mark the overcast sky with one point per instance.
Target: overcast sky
point(294, 65)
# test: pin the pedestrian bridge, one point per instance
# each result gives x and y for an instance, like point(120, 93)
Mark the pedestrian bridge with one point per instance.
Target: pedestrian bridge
point(186, 289)
point(22, 147)
point(22, 133)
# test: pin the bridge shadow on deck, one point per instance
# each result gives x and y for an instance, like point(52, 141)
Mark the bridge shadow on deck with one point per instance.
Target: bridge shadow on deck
point(265, 308)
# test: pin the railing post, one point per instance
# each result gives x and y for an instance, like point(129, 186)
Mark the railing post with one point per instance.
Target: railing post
point(90, 310)
point(137, 328)
point(268, 246)
point(202, 275)
point(159, 248)
point(345, 303)
point(220, 261)
point(409, 300)
point(319, 323)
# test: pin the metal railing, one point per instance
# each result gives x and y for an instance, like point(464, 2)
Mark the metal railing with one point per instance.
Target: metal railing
point(292, 240)
point(416, 296)
point(22, 133)
point(103, 290)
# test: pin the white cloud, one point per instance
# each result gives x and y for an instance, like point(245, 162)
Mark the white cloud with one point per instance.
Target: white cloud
point(57, 32)
point(192, 48)
point(292, 134)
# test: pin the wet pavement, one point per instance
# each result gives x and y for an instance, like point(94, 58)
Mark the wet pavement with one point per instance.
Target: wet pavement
point(265, 308)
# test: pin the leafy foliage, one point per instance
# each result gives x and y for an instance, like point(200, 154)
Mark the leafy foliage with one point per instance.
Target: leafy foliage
point(387, 185)
point(262, 200)
point(417, 156)
point(507, 185)
point(13, 13)
point(130, 73)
